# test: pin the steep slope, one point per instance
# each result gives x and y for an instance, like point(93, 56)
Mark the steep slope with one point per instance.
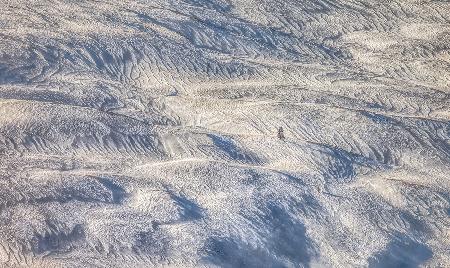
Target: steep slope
point(144, 133)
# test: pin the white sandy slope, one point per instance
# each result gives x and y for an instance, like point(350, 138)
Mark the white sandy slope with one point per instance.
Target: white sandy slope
point(143, 133)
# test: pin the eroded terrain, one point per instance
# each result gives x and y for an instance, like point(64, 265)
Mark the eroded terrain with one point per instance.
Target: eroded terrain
point(143, 133)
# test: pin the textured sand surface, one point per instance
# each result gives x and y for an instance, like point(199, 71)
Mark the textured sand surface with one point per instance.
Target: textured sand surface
point(143, 133)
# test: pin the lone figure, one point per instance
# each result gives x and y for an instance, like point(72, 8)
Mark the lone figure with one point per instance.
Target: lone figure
point(281, 133)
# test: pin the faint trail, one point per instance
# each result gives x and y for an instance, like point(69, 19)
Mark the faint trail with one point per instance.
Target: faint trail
point(143, 133)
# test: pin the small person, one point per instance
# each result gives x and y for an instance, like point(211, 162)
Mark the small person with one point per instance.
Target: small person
point(281, 133)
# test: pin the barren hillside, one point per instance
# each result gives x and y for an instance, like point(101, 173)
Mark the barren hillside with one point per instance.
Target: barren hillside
point(143, 133)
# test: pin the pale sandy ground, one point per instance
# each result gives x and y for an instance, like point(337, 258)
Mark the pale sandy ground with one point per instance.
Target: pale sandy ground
point(144, 133)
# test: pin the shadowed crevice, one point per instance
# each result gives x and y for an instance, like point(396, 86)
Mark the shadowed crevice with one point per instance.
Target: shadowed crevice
point(401, 252)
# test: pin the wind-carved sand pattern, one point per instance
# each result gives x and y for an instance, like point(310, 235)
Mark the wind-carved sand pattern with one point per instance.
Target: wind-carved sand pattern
point(144, 133)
